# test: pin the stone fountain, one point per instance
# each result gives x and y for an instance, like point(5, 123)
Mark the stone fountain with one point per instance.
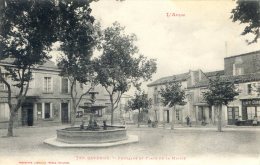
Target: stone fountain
point(91, 135)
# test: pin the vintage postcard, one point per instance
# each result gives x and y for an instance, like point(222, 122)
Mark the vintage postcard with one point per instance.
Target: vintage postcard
point(129, 82)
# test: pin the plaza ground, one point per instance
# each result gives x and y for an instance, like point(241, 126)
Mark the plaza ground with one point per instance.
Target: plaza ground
point(184, 145)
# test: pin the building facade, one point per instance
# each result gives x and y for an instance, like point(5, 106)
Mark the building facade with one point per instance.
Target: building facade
point(48, 101)
point(243, 70)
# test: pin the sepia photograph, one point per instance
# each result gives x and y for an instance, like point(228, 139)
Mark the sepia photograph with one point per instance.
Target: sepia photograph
point(129, 82)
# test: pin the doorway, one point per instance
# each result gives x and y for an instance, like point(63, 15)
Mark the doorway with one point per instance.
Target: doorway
point(27, 115)
point(168, 116)
point(232, 115)
point(64, 113)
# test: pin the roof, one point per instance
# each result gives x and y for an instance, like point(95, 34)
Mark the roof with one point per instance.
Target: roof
point(178, 77)
point(244, 54)
point(236, 79)
point(182, 77)
point(49, 65)
point(214, 73)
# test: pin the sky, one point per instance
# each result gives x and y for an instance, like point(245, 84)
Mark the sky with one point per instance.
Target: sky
point(182, 35)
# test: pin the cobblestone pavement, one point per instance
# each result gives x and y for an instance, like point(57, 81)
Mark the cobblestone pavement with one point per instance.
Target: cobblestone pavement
point(183, 145)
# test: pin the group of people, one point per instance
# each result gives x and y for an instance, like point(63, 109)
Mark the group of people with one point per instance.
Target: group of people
point(240, 122)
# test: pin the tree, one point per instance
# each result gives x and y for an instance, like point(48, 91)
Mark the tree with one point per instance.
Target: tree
point(248, 12)
point(118, 67)
point(140, 102)
point(172, 95)
point(28, 29)
point(26, 34)
point(220, 93)
point(127, 110)
point(78, 39)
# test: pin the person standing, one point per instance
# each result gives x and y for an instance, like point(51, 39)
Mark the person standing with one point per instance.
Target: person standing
point(255, 121)
point(188, 120)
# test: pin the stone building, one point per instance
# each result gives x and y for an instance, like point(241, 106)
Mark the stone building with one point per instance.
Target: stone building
point(187, 80)
point(48, 100)
point(243, 70)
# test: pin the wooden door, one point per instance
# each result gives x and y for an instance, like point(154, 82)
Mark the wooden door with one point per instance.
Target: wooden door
point(232, 115)
point(64, 113)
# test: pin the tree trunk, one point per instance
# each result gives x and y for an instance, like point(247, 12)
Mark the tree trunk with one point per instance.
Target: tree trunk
point(156, 118)
point(13, 111)
point(219, 118)
point(112, 118)
point(11, 123)
point(73, 112)
point(72, 118)
point(173, 110)
point(112, 114)
point(211, 119)
point(138, 119)
point(164, 119)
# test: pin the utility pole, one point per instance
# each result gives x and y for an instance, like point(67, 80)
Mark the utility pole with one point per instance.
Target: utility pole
point(226, 51)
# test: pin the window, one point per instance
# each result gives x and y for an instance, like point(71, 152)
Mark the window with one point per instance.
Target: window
point(258, 113)
point(201, 113)
point(39, 110)
point(251, 113)
point(64, 85)
point(44, 110)
point(177, 115)
point(233, 112)
point(99, 113)
point(201, 95)
point(249, 89)
point(47, 84)
point(237, 88)
point(237, 70)
point(2, 84)
point(4, 112)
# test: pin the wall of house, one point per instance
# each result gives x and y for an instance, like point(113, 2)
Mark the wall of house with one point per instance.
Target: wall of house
point(159, 112)
point(248, 99)
point(249, 62)
point(38, 96)
point(195, 77)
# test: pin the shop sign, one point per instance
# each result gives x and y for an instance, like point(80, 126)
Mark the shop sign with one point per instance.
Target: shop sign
point(251, 102)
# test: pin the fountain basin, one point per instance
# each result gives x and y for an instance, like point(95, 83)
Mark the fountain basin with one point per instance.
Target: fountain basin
point(74, 135)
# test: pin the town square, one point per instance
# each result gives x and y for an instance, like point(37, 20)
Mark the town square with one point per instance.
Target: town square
point(184, 145)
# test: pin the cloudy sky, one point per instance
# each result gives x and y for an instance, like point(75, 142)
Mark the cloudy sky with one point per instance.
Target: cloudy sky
point(180, 34)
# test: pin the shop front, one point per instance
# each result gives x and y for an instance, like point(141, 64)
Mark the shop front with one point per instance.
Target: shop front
point(250, 110)
point(204, 114)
